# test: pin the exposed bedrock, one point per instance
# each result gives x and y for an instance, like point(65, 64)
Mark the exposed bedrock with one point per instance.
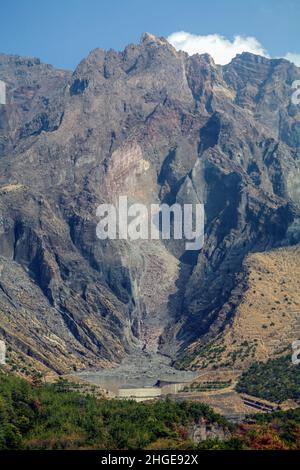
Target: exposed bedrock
point(157, 126)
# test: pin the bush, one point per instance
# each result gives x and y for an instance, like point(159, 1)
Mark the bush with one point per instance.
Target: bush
point(54, 417)
point(275, 380)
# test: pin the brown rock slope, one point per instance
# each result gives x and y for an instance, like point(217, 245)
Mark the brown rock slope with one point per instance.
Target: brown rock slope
point(159, 126)
point(266, 321)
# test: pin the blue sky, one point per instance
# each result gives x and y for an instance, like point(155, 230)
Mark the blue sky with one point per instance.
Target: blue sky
point(62, 32)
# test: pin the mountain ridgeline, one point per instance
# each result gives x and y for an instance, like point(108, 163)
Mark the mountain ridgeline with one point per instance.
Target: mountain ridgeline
point(158, 126)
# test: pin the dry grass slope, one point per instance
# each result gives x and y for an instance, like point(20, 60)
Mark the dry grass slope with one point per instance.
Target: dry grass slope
point(267, 320)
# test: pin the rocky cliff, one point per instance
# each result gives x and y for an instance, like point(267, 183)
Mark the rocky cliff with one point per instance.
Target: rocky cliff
point(159, 126)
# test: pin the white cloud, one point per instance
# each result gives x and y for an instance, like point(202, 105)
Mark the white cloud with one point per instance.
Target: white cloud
point(293, 58)
point(220, 48)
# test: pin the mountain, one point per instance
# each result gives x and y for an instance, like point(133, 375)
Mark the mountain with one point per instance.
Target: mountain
point(265, 323)
point(159, 126)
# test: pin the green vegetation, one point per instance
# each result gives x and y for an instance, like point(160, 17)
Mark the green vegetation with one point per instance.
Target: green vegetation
point(271, 431)
point(278, 430)
point(206, 386)
point(18, 364)
point(214, 354)
point(205, 354)
point(233, 443)
point(275, 380)
point(55, 417)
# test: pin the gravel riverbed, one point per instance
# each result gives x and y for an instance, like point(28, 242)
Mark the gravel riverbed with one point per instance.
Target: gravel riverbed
point(140, 369)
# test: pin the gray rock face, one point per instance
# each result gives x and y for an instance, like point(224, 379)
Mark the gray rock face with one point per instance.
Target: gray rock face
point(204, 430)
point(158, 126)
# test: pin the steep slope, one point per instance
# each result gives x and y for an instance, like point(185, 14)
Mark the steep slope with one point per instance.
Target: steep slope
point(158, 126)
point(266, 321)
point(28, 109)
